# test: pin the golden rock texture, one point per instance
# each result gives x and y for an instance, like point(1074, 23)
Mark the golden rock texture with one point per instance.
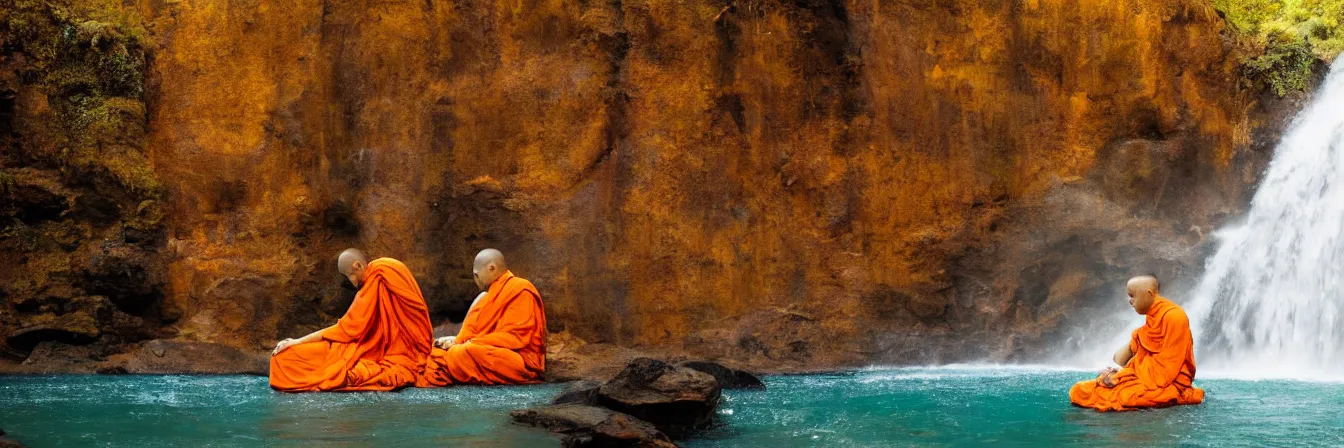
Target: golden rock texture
point(806, 184)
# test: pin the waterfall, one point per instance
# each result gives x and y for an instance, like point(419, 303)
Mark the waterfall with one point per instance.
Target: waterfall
point(1271, 301)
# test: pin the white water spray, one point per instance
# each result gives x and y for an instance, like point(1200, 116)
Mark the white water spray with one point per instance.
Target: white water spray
point(1271, 302)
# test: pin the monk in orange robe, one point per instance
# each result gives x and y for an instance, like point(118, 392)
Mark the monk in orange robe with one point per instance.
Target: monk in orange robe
point(380, 343)
point(503, 339)
point(1159, 362)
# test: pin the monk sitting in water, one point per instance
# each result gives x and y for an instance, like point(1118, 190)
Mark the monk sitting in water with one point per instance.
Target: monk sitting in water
point(379, 344)
point(1159, 362)
point(503, 339)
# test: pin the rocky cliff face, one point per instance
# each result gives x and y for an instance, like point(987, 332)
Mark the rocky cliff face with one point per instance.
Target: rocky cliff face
point(785, 184)
point(81, 208)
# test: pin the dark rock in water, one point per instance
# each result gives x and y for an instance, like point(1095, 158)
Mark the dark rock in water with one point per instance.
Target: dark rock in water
point(174, 357)
point(675, 399)
point(728, 378)
point(578, 392)
point(9, 443)
point(591, 426)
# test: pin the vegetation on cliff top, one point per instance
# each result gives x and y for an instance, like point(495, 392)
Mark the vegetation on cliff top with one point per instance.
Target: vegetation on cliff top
point(1288, 37)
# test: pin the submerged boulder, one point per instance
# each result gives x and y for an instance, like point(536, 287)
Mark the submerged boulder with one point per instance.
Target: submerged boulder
point(727, 378)
point(591, 426)
point(174, 357)
point(674, 399)
point(8, 443)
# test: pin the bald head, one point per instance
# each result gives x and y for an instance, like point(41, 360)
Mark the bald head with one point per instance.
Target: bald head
point(351, 263)
point(489, 265)
point(1145, 282)
point(1142, 291)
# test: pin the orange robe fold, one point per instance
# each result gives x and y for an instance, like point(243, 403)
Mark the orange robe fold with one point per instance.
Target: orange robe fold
point(379, 344)
point(1161, 373)
point(503, 340)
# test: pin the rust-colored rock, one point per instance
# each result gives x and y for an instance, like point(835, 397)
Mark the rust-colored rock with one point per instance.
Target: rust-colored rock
point(787, 185)
point(569, 358)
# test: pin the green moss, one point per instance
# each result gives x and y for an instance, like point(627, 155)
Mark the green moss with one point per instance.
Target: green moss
point(116, 119)
point(148, 215)
point(6, 182)
point(125, 166)
point(1286, 37)
point(90, 60)
point(1285, 66)
point(1247, 15)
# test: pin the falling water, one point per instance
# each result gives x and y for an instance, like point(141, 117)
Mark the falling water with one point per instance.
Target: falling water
point(1271, 302)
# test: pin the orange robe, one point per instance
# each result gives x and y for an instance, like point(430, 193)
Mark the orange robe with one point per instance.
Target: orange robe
point(503, 340)
point(1161, 373)
point(380, 344)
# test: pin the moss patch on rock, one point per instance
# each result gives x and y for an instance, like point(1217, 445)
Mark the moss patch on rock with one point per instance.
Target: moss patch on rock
point(90, 64)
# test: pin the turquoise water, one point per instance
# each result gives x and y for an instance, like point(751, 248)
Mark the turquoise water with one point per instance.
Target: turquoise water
point(893, 407)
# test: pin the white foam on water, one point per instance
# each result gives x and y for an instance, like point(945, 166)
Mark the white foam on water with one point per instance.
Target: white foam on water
point(880, 374)
point(1245, 374)
point(977, 367)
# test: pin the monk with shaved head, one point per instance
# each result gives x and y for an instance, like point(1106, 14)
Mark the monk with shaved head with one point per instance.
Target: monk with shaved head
point(503, 339)
point(379, 344)
point(1159, 361)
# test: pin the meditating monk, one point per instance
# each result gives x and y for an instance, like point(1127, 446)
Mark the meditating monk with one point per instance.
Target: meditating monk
point(1159, 361)
point(503, 339)
point(379, 344)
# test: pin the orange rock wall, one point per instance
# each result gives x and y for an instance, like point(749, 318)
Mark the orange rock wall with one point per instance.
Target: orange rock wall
point(803, 182)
